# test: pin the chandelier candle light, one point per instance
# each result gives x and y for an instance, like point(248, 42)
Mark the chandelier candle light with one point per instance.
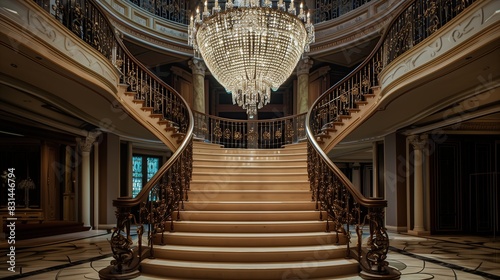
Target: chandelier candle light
point(251, 49)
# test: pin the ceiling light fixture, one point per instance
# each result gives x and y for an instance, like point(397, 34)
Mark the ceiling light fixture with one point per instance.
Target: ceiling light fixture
point(251, 49)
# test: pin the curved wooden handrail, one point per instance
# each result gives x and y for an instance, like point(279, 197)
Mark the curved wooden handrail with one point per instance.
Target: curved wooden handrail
point(367, 202)
point(377, 49)
point(128, 259)
point(89, 22)
point(415, 20)
point(143, 194)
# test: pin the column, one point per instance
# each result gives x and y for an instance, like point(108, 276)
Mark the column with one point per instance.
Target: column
point(303, 68)
point(419, 144)
point(69, 192)
point(375, 169)
point(198, 69)
point(96, 186)
point(85, 149)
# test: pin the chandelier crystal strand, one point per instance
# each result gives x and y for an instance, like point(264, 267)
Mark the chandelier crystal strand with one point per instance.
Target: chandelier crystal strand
point(250, 49)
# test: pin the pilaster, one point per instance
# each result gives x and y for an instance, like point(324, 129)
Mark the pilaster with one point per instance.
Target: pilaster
point(85, 145)
point(303, 68)
point(198, 69)
point(419, 144)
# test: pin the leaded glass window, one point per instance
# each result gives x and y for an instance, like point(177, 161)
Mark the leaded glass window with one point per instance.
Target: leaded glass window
point(153, 165)
point(136, 175)
point(143, 169)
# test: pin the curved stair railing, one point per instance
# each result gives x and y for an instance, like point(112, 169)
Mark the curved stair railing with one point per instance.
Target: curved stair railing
point(334, 194)
point(164, 193)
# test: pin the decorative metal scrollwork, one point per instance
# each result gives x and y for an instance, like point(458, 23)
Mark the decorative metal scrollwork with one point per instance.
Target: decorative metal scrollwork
point(355, 92)
point(158, 100)
point(144, 88)
point(278, 134)
point(378, 241)
point(227, 134)
point(217, 130)
point(204, 128)
point(266, 135)
point(377, 67)
point(58, 9)
point(365, 83)
point(289, 129)
point(343, 97)
point(333, 196)
point(166, 191)
point(333, 111)
point(431, 15)
point(121, 241)
point(331, 9)
point(174, 10)
point(237, 136)
point(252, 135)
point(131, 80)
point(77, 22)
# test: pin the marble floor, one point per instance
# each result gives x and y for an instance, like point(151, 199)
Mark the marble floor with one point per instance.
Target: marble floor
point(81, 255)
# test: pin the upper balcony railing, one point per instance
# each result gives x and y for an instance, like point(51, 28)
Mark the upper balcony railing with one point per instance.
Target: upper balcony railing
point(334, 193)
point(249, 134)
point(180, 10)
point(330, 9)
point(419, 20)
point(173, 10)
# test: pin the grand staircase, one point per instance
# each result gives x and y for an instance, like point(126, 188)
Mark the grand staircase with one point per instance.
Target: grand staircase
point(249, 216)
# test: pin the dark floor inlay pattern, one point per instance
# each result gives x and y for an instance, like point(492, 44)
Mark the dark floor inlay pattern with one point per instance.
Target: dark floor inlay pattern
point(58, 267)
point(448, 265)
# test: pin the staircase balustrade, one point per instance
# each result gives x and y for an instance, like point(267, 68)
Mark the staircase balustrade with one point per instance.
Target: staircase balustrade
point(249, 134)
point(334, 194)
point(153, 210)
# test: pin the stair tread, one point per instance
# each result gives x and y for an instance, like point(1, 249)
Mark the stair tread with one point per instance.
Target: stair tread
point(251, 201)
point(252, 222)
point(251, 235)
point(247, 166)
point(249, 161)
point(252, 153)
point(249, 173)
point(250, 212)
point(288, 147)
point(246, 266)
point(252, 191)
point(251, 182)
point(265, 249)
point(146, 276)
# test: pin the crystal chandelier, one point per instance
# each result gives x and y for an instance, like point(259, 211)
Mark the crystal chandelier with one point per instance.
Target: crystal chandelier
point(251, 49)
